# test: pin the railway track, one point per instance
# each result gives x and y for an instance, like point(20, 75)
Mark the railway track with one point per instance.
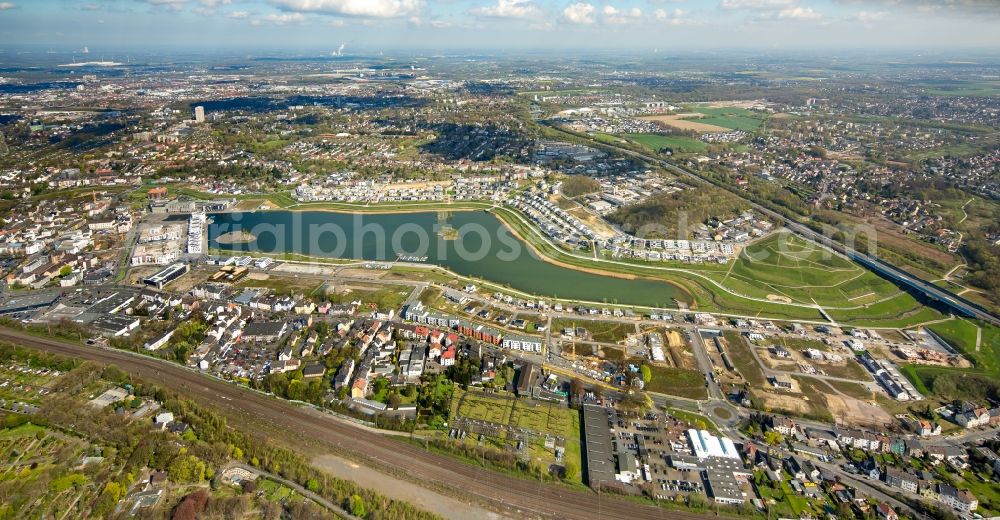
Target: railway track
point(515, 496)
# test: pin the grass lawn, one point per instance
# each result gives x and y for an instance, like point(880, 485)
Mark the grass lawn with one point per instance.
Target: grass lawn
point(959, 333)
point(274, 491)
point(986, 491)
point(26, 429)
point(382, 297)
point(784, 265)
point(803, 343)
point(681, 382)
point(656, 142)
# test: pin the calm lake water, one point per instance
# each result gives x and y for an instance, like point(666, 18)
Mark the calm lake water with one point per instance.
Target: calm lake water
point(484, 248)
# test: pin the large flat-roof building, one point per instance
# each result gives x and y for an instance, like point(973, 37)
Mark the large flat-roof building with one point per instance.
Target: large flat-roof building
point(599, 450)
point(166, 275)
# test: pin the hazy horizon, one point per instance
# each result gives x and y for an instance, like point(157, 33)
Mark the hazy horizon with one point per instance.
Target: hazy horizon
point(649, 25)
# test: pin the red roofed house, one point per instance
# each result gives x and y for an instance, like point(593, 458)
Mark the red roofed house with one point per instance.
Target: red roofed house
point(448, 356)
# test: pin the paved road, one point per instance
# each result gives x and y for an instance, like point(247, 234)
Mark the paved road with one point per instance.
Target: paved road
point(519, 497)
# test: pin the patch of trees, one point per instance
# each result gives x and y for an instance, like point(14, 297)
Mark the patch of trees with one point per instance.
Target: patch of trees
point(576, 185)
point(673, 215)
point(983, 261)
point(965, 387)
point(463, 370)
point(36, 358)
point(187, 336)
point(292, 385)
point(192, 458)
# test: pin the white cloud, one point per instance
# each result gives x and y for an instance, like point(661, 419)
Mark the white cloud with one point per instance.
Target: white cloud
point(755, 4)
point(283, 18)
point(174, 5)
point(359, 8)
point(675, 17)
point(799, 13)
point(7, 5)
point(617, 16)
point(580, 13)
point(215, 3)
point(518, 9)
point(90, 7)
point(237, 15)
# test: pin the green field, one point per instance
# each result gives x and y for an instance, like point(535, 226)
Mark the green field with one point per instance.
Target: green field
point(730, 117)
point(677, 381)
point(959, 333)
point(656, 142)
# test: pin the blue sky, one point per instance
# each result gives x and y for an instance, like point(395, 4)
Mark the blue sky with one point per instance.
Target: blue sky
point(503, 24)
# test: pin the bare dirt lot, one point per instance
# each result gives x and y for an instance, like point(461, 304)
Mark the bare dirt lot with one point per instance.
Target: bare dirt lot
point(856, 412)
point(788, 402)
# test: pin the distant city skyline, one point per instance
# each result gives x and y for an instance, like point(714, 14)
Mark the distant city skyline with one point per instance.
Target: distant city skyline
point(502, 24)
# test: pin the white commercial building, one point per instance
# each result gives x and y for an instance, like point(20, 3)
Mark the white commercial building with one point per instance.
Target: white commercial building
point(707, 445)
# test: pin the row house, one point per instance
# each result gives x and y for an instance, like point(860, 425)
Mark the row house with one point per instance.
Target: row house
point(479, 332)
point(864, 440)
point(899, 479)
point(958, 499)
